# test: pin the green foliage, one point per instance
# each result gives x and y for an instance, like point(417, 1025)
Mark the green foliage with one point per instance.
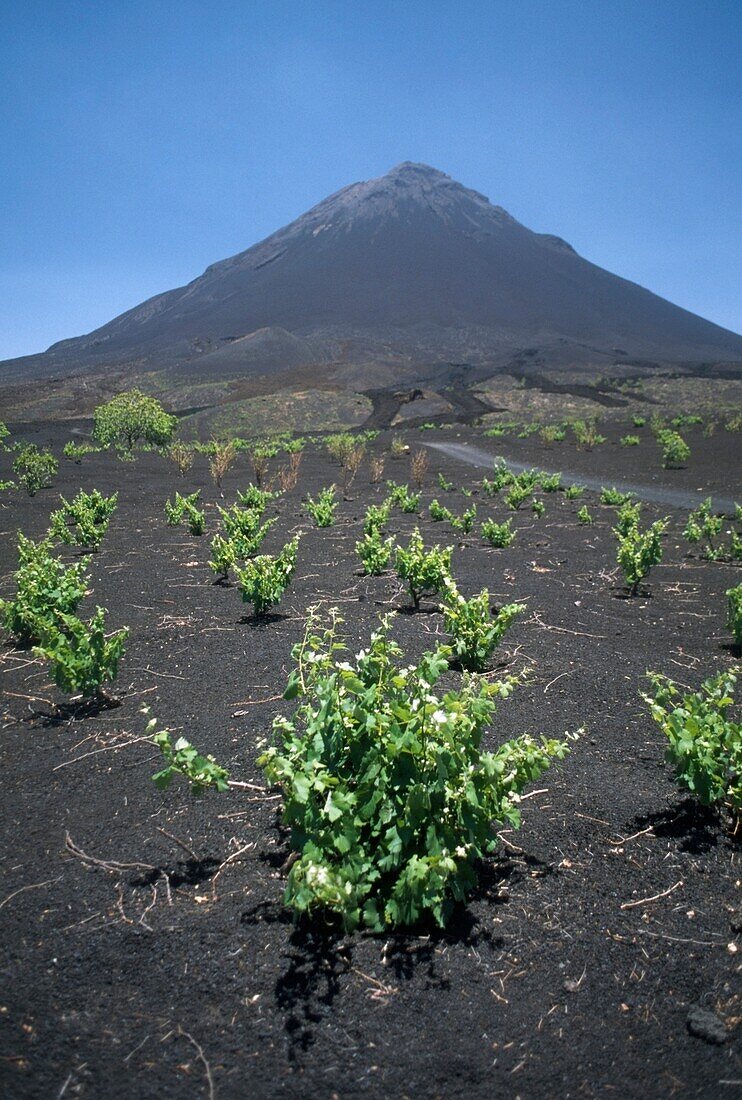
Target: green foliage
point(375, 552)
point(133, 418)
point(340, 446)
point(573, 492)
point(686, 420)
point(45, 589)
point(538, 507)
point(33, 468)
point(242, 541)
point(638, 551)
point(256, 498)
point(182, 758)
point(629, 441)
point(425, 571)
point(734, 613)
point(84, 520)
point(76, 451)
point(675, 451)
point(502, 476)
point(503, 427)
point(705, 525)
point(81, 656)
point(388, 794)
point(614, 498)
point(377, 517)
point(551, 483)
point(586, 434)
point(401, 496)
point(263, 580)
point(584, 517)
point(463, 523)
point(515, 496)
point(527, 430)
point(638, 421)
point(185, 508)
point(474, 632)
point(244, 526)
point(6, 484)
point(444, 484)
point(705, 745)
point(4, 436)
point(628, 516)
point(498, 535)
point(322, 510)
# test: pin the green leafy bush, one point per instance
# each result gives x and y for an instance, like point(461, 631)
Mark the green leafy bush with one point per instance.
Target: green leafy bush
point(705, 525)
point(376, 517)
point(734, 613)
point(83, 521)
point(638, 421)
point(474, 632)
point(45, 588)
point(614, 498)
point(375, 552)
point(133, 418)
point(463, 523)
point(675, 451)
point(498, 535)
point(515, 496)
point(444, 484)
point(401, 496)
point(638, 551)
point(182, 758)
point(243, 524)
point(502, 477)
point(628, 516)
point(4, 436)
point(586, 434)
point(82, 657)
point(185, 508)
point(538, 507)
point(573, 492)
point(256, 498)
point(629, 441)
point(322, 510)
point(390, 799)
point(551, 483)
point(76, 451)
point(34, 469)
point(705, 745)
point(263, 580)
point(584, 517)
point(425, 571)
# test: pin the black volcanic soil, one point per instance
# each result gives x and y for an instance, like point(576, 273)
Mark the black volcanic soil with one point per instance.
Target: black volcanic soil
point(552, 981)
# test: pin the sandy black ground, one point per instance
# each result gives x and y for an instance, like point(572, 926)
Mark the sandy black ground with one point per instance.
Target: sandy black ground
point(557, 979)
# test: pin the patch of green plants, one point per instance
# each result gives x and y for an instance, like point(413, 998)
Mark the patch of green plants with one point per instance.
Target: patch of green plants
point(515, 496)
point(463, 523)
point(132, 419)
point(5, 484)
point(614, 498)
point(734, 613)
point(628, 516)
point(377, 517)
point(183, 759)
point(638, 421)
point(551, 483)
point(586, 434)
point(263, 580)
point(704, 743)
point(76, 451)
point(83, 521)
point(401, 496)
point(34, 469)
point(185, 508)
point(45, 589)
point(474, 632)
point(340, 446)
point(82, 656)
point(705, 526)
point(629, 441)
point(686, 420)
point(239, 544)
point(573, 492)
point(538, 507)
point(675, 451)
point(529, 429)
point(501, 428)
point(502, 477)
point(425, 571)
point(375, 552)
point(322, 510)
point(498, 535)
point(638, 551)
point(444, 484)
point(584, 517)
point(256, 498)
point(4, 436)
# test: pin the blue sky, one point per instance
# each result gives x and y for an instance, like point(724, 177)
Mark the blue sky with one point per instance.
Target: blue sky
point(143, 141)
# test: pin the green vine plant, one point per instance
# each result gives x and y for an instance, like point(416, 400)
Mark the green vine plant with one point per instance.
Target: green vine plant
point(45, 588)
point(474, 632)
point(34, 469)
point(734, 614)
point(263, 580)
point(498, 535)
point(462, 523)
point(186, 508)
point(375, 552)
point(322, 510)
point(256, 497)
point(401, 496)
point(704, 743)
point(638, 551)
point(705, 526)
point(82, 656)
point(426, 572)
point(377, 516)
point(84, 520)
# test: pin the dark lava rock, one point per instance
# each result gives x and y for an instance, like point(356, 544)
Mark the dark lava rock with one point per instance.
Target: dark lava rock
point(706, 1025)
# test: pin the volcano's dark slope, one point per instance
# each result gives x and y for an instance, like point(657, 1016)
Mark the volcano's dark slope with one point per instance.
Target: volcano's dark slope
point(410, 265)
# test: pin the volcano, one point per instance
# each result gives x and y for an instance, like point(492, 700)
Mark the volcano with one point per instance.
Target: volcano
point(399, 275)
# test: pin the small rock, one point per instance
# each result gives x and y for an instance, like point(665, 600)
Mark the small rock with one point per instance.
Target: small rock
point(706, 1025)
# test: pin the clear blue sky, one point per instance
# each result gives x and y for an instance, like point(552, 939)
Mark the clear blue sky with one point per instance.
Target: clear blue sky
point(142, 141)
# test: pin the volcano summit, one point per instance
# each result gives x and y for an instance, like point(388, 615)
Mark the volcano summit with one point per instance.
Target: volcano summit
point(393, 279)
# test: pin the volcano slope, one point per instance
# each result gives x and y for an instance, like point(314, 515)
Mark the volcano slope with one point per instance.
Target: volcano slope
point(581, 961)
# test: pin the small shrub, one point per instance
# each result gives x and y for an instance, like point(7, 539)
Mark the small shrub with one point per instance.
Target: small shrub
point(425, 571)
point(376, 517)
point(322, 510)
point(586, 434)
point(628, 516)
point(498, 535)
point(734, 613)
point(614, 498)
point(515, 496)
point(76, 451)
point(705, 745)
point(502, 476)
point(703, 524)
point(45, 588)
point(182, 758)
point(418, 468)
point(538, 507)
point(675, 451)
point(256, 498)
point(244, 523)
point(397, 447)
point(629, 441)
point(181, 455)
point(638, 551)
point(133, 418)
point(84, 520)
point(444, 484)
point(221, 461)
point(352, 464)
point(401, 496)
point(375, 552)
point(185, 508)
point(574, 492)
point(584, 517)
point(339, 446)
point(638, 421)
point(34, 469)
point(474, 633)
point(551, 483)
point(376, 469)
point(4, 436)
point(390, 799)
point(264, 579)
point(82, 657)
